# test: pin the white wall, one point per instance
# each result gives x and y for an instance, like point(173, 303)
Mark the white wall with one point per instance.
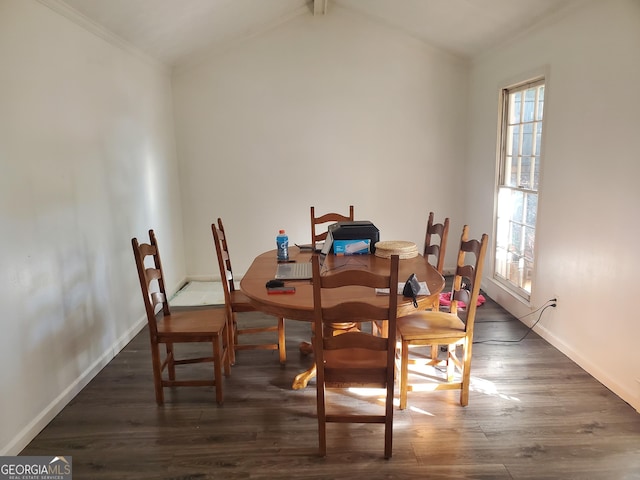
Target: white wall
point(356, 113)
point(588, 230)
point(88, 161)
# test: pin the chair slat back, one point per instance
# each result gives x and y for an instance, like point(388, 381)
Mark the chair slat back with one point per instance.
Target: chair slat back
point(224, 262)
point(326, 218)
point(353, 311)
point(235, 302)
point(436, 247)
point(148, 276)
point(466, 282)
point(224, 252)
point(355, 340)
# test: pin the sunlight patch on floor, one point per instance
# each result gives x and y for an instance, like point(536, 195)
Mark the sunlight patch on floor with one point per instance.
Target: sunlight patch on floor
point(198, 293)
point(425, 378)
point(368, 392)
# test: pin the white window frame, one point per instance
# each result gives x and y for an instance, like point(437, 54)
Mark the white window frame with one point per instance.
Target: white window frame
point(512, 268)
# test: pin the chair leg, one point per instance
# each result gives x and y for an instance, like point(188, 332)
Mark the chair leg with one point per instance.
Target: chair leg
point(171, 366)
point(233, 337)
point(157, 373)
point(404, 374)
point(323, 439)
point(226, 352)
point(466, 375)
point(282, 347)
point(388, 424)
point(322, 422)
point(217, 368)
point(451, 364)
point(434, 353)
point(388, 441)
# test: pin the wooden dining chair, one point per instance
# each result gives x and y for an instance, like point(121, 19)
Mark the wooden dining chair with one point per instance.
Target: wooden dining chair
point(435, 247)
point(237, 302)
point(319, 236)
point(346, 359)
point(204, 325)
point(453, 328)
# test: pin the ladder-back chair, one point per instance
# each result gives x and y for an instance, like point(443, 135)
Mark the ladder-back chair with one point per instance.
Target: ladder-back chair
point(179, 326)
point(453, 328)
point(319, 236)
point(354, 358)
point(237, 302)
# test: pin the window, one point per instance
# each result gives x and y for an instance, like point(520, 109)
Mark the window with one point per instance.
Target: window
point(517, 186)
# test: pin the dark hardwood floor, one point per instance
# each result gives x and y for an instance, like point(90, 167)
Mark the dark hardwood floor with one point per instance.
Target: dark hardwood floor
point(532, 414)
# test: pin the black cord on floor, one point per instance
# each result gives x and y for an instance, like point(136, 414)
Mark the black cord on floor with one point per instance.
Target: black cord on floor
point(528, 330)
point(517, 318)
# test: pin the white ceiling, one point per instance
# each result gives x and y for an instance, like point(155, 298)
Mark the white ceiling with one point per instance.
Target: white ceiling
point(173, 30)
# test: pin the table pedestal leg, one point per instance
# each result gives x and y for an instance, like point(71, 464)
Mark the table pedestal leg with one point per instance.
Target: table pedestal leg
point(306, 348)
point(303, 378)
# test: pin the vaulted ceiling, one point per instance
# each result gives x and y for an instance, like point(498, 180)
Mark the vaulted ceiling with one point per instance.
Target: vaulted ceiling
point(173, 30)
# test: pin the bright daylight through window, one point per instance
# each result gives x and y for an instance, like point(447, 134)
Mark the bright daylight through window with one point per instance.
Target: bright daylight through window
point(517, 186)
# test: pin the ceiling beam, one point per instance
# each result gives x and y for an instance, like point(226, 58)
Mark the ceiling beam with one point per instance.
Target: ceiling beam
point(320, 7)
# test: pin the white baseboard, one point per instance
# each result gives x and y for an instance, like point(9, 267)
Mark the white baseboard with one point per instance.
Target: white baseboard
point(210, 278)
point(202, 278)
point(625, 393)
point(29, 432)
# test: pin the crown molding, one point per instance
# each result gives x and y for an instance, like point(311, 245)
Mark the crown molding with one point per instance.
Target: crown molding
point(63, 9)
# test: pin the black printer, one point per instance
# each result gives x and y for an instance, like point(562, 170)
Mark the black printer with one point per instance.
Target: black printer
point(356, 230)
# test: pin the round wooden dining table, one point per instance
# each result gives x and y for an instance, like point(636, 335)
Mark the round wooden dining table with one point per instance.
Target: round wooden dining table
point(299, 305)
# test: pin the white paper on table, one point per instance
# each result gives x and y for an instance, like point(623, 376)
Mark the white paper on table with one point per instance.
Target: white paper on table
point(424, 290)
